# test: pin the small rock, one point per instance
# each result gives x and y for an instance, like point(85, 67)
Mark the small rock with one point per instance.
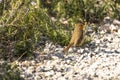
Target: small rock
point(57, 74)
point(46, 50)
point(97, 41)
point(102, 32)
point(49, 73)
point(97, 50)
point(22, 75)
point(30, 70)
point(113, 28)
point(116, 40)
point(119, 31)
point(107, 19)
point(37, 77)
point(116, 22)
point(86, 50)
point(80, 50)
point(61, 78)
point(55, 57)
point(53, 19)
point(58, 49)
point(70, 50)
point(89, 29)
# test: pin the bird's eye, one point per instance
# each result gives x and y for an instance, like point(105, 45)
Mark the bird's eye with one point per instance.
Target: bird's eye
point(80, 25)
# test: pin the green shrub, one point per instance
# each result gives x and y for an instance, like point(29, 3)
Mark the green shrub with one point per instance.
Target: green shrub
point(23, 24)
point(9, 72)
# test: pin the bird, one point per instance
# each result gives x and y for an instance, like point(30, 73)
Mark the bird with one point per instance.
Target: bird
point(77, 36)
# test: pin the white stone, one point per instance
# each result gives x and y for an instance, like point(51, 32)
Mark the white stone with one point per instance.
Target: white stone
point(53, 19)
point(63, 21)
point(33, 3)
point(119, 31)
point(61, 78)
point(116, 22)
point(80, 50)
point(49, 73)
point(57, 75)
point(97, 41)
point(46, 50)
point(30, 70)
point(89, 29)
point(58, 49)
point(70, 50)
point(116, 40)
point(37, 77)
point(107, 19)
point(55, 57)
point(23, 76)
point(109, 38)
point(97, 49)
point(113, 27)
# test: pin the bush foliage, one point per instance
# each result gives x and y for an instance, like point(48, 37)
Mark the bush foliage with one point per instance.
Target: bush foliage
point(22, 22)
point(9, 72)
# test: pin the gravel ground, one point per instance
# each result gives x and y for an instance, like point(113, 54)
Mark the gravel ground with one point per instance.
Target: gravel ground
point(99, 60)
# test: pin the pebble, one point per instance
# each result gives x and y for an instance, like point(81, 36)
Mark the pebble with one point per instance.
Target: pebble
point(70, 50)
point(49, 73)
point(116, 22)
point(119, 31)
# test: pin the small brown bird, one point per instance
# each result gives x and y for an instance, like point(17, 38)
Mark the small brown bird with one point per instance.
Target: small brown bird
point(77, 36)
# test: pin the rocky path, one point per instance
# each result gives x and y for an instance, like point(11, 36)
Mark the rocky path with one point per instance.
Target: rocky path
point(99, 60)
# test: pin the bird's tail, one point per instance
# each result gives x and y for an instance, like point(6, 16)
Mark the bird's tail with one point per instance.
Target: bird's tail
point(67, 48)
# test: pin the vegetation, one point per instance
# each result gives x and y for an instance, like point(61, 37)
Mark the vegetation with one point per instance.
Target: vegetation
point(9, 72)
point(22, 22)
